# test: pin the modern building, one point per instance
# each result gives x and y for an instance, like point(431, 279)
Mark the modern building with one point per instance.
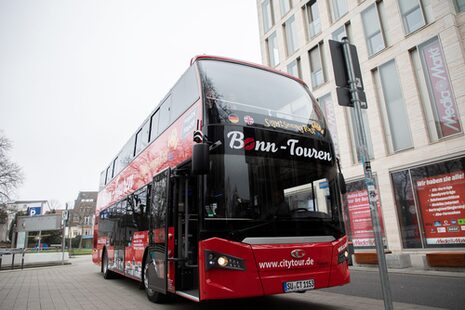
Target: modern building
point(30, 207)
point(81, 218)
point(412, 58)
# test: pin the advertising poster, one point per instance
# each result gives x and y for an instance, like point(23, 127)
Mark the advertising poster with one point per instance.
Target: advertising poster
point(360, 219)
point(442, 205)
point(441, 90)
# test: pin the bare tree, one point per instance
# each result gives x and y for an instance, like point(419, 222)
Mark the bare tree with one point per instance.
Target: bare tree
point(53, 205)
point(11, 175)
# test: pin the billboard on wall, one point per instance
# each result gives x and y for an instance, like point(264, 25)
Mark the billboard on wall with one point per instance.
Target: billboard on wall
point(442, 205)
point(38, 223)
point(442, 97)
point(361, 225)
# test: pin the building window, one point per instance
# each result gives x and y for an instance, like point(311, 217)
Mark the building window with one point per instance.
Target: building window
point(439, 103)
point(396, 118)
point(460, 5)
point(284, 6)
point(327, 107)
point(339, 8)
point(273, 54)
point(340, 33)
point(372, 29)
point(429, 201)
point(291, 35)
point(293, 68)
point(412, 15)
point(267, 11)
point(313, 18)
point(316, 66)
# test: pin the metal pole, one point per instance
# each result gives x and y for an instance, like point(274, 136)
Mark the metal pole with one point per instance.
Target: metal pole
point(68, 220)
point(369, 181)
point(63, 238)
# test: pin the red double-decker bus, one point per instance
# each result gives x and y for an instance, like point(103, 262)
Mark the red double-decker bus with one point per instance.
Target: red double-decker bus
point(229, 189)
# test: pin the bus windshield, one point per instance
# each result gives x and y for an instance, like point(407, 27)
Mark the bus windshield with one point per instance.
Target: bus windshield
point(231, 93)
point(248, 190)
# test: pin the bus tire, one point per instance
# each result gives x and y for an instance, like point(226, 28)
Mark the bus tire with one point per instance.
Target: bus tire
point(107, 273)
point(152, 295)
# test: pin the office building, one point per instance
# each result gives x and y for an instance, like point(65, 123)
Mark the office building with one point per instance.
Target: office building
point(412, 59)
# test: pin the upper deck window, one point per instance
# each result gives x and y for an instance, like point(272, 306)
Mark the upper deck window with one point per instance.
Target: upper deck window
point(241, 94)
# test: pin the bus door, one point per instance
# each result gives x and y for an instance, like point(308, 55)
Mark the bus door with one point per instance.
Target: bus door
point(186, 227)
point(161, 235)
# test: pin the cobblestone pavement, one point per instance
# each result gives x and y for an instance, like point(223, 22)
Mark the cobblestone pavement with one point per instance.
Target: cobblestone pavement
point(81, 286)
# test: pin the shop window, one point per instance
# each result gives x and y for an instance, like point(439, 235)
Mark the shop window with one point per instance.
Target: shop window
point(430, 206)
point(358, 207)
point(408, 217)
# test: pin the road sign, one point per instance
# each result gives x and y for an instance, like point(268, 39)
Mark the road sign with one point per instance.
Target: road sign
point(341, 75)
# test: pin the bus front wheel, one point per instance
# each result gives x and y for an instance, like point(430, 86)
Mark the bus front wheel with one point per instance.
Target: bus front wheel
point(148, 274)
point(107, 273)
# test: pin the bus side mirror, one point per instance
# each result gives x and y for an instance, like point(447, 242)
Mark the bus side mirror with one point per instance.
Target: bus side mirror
point(200, 159)
point(342, 183)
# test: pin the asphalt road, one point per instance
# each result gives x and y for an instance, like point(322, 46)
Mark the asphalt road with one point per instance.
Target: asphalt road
point(428, 289)
point(81, 286)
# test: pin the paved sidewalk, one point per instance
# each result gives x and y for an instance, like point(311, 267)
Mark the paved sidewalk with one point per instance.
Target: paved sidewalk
point(81, 286)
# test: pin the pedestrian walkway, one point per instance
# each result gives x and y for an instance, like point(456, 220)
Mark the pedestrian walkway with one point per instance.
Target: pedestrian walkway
point(445, 272)
point(81, 286)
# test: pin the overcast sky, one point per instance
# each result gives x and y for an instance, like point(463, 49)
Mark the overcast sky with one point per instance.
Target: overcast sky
point(77, 77)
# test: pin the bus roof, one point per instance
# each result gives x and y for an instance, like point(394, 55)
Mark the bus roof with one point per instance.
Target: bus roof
point(251, 64)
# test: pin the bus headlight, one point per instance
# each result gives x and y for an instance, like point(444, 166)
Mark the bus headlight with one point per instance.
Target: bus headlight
point(223, 261)
point(217, 260)
point(343, 256)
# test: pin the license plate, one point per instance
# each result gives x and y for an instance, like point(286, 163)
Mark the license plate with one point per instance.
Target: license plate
point(295, 286)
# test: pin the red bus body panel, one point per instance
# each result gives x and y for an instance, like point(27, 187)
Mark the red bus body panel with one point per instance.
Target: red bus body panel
point(171, 148)
point(268, 267)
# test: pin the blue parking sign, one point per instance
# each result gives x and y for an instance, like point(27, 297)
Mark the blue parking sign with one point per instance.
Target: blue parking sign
point(34, 211)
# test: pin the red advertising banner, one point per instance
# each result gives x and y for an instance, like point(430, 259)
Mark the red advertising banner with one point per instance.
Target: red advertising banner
point(171, 148)
point(444, 101)
point(442, 204)
point(360, 219)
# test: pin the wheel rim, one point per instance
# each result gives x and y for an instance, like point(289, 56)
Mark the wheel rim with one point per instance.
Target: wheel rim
point(105, 263)
point(146, 279)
